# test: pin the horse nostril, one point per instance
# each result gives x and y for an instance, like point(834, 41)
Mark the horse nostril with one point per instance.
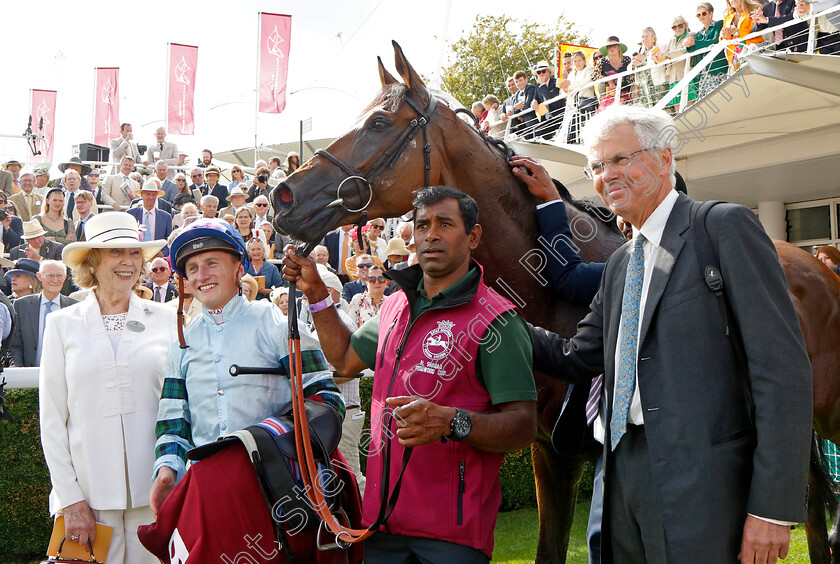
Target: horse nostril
point(283, 198)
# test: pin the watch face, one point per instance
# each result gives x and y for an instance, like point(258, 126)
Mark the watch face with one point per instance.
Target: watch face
point(461, 425)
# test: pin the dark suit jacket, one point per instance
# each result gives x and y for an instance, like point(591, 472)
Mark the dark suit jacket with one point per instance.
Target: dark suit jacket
point(331, 241)
point(25, 334)
point(17, 226)
point(163, 224)
point(527, 96)
point(786, 9)
point(171, 291)
point(49, 250)
point(220, 191)
point(11, 238)
point(708, 465)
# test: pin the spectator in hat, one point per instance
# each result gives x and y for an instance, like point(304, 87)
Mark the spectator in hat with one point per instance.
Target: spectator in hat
point(547, 89)
point(7, 184)
point(75, 163)
point(124, 146)
point(280, 298)
point(27, 202)
point(23, 278)
point(35, 246)
point(13, 167)
point(31, 313)
point(156, 224)
point(160, 201)
point(292, 162)
point(118, 189)
point(42, 178)
point(614, 61)
point(249, 287)
point(213, 187)
point(396, 253)
point(99, 395)
point(237, 199)
point(57, 227)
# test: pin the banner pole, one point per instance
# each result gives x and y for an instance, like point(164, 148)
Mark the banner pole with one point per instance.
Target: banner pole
point(257, 93)
point(168, 93)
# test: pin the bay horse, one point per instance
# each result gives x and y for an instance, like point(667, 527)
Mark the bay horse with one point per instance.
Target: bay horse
point(372, 170)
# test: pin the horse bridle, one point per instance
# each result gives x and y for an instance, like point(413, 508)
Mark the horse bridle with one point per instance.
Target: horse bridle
point(385, 160)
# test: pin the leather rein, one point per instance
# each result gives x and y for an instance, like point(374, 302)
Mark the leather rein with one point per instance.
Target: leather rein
point(344, 535)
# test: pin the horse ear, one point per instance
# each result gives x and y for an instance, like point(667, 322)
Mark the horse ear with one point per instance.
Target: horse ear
point(384, 76)
point(407, 72)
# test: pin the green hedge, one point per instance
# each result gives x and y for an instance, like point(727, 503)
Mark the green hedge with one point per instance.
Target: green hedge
point(25, 523)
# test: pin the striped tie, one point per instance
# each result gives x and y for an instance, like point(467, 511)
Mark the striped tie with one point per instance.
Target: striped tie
point(625, 380)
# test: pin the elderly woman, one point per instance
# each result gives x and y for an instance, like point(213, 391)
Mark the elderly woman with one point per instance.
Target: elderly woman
point(23, 279)
point(186, 216)
point(249, 287)
point(675, 49)
point(257, 252)
point(614, 61)
point(583, 95)
point(100, 386)
point(715, 72)
point(652, 81)
point(830, 257)
point(280, 298)
point(366, 305)
point(243, 222)
point(57, 226)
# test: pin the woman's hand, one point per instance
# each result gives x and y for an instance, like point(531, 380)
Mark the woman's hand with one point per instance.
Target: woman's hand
point(79, 523)
point(71, 237)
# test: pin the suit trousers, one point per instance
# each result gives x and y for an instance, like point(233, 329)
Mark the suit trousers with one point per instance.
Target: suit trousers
point(125, 546)
point(382, 548)
point(351, 431)
point(635, 514)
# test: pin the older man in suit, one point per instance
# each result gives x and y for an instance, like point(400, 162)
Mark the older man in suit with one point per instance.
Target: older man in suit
point(34, 245)
point(162, 289)
point(163, 174)
point(162, 150)
point(118, 189)
point(157, 222)
point(707, 399)
point(27, 202)
point(32, 311)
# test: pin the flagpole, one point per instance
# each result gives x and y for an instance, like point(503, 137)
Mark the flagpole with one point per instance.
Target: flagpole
point(257, 92)
point(95, 85)
point(168, 93)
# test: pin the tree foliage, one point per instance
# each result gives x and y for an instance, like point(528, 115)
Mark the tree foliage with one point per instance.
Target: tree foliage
point(498, 46)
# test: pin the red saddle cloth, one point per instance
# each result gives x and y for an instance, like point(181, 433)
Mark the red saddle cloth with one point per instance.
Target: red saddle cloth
point(217, 513)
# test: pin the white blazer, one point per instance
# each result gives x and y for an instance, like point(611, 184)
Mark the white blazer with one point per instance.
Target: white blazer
point(98, 410)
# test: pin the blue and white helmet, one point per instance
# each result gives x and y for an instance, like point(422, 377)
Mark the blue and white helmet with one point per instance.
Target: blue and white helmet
point(205, 235)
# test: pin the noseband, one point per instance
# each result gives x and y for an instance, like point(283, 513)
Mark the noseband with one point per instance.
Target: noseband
point(386, 160)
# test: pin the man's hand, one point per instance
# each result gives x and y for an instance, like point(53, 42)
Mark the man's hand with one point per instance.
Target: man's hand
point(539, 183)
point(764, 542)
point(31, 253)
point(129, 136)
point(79, 523)
point(117, 207)
point(163, 486)
point(758, 16)
point(519, 105)
point(304, 273)
point(419, 421)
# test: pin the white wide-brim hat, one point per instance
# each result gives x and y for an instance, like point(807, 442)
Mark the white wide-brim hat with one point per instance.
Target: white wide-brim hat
point(110, 230)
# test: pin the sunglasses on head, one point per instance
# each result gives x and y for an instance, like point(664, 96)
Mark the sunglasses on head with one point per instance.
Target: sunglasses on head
point(159, 269)
point(377, 278)
point(364, 265)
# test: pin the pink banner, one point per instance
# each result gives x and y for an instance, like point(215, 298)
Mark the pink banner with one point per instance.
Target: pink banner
point(275, 35)
point(106, 113)
point(43, 114)
point(180, 114)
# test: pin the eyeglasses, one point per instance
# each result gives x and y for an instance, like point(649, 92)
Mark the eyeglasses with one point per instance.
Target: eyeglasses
point(542, 71)
point(93, 175)
point(52, 276)
point(379, 227)
point(261, 205)
point(364, 265)
point(159, 269)
point(377, 278)
point(9, 208)
point(702, 14)
point(678, 26)
point(180, 180)
point(591, 171)
point(196, 175)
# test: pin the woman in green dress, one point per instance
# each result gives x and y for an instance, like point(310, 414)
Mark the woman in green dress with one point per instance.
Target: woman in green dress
point(715, 72)
point(52, 217)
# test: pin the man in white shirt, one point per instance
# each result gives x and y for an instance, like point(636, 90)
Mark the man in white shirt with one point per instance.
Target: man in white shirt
point(32, 312)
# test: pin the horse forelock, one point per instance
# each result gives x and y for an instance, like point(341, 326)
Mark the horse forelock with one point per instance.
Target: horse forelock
point(389, 98)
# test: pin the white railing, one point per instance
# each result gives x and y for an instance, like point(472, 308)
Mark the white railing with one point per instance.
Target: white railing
point(20, 378)
point(680, 90)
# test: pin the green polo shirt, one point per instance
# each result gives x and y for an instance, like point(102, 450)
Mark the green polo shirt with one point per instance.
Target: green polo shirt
point(506, 371)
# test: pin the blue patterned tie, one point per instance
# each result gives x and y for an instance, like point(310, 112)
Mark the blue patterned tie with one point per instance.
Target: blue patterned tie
point(625, 379)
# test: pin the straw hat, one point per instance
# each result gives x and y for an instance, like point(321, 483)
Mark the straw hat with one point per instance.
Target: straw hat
point(396, 246)
point(540, 66)
point(237, 191)
point(143, 293)
point(32, 229)
point(75, 161)
point(212, 170)
point(12, 162)
point(252, 284)
point(150, 186)
point(110, 231)
point(613, 40)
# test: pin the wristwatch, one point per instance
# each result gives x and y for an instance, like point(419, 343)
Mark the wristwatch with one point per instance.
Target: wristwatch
point(460, 426)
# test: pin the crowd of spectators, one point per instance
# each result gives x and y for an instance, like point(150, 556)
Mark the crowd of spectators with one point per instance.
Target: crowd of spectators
point(535, 110)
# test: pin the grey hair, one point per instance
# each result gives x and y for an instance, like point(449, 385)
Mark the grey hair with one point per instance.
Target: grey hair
point(50, 262)
point(209, 197)
point(706, 6)
point(651, 31)
point(188, 205)
point(478, 106)
point(654, 128)
point(197, 169)
point(161, 162)
point(71, 172)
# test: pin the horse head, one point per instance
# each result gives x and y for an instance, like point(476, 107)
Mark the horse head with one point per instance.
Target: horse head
point(349, 181)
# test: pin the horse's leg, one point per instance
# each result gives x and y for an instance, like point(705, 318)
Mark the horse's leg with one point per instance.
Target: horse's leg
point(820, 496)
point(557, 487)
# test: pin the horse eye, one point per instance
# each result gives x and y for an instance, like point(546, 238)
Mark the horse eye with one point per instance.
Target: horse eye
point(379, 124)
